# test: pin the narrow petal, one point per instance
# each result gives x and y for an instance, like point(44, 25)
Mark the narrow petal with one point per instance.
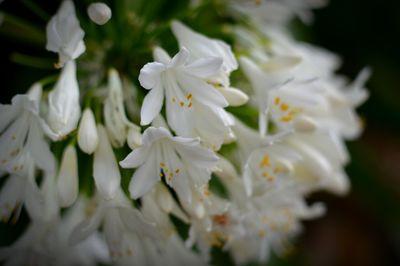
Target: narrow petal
point(87, 227)
point(39, 148)
point(150, 75)
point(152, 104)
point(234, 96)
point(136, 158)
point(105, 168)
point(201, 90)
point(180, 58)
point(67, 183)
point(198, 155)
point(205, 67)
point(152, 134)
point(145, 177)
point(160, 55)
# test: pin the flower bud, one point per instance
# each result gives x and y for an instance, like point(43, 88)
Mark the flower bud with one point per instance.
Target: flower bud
point(87, 132)
point(67, 183)
point(304, 124)
point(233, 96)
point(134, 138)
point(99, 13)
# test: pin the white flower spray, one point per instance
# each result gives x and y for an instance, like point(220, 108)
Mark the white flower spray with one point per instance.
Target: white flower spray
point(252, 126)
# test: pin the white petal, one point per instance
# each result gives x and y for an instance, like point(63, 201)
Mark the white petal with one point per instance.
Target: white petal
point(39, 148)
point(64, 35)
point(202, 91)
point(164, 198)
point(279, 63)
point(134, 138)
point(304, 124)
point(145, 177)
point(199, 156)
point(180, 58)
point(150, 75)
point(152, 104)
point(201, 46)
point(136, 158)
point(233, 96)
point(134, 220)
point(105, 168)
point(160, 55)
point(64, 108)
point(67, 183)
point(152, 134)
point(87, 132)
point(204, 67)
point(87, 227)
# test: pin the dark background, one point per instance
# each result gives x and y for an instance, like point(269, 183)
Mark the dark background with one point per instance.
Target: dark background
point(362, 228)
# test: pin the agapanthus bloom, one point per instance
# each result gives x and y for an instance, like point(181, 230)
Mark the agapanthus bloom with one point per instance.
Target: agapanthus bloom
point(191, 103)
point(181, 161)
point(64, 35)
point(211, 175)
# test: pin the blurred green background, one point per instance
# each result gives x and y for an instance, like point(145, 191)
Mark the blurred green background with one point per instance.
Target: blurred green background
point(362, 228)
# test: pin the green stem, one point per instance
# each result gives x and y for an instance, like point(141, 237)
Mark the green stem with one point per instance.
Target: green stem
point(37, 10)
point(31, 61)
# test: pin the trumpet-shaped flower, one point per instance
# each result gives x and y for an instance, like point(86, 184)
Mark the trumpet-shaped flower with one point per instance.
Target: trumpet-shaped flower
point(201, 46)
point(64, 35)
point(64, 108)
point(119, 128)
point(182, 161)
point(193, 107)
point(22, 139)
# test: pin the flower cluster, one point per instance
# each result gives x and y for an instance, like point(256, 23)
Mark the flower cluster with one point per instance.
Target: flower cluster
point(201, 161)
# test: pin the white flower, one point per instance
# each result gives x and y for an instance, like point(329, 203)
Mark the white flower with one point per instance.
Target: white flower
point(193, 107)
point(126, 231)
point(64, 108)
point(105, 168)
point(99, 13)
point(17, 192)
point(88, 138)
point(22, 139)
point(118, 126)
point(91, 251)
point(262, 84)
point(182, 161)
point(64, 35)
point(67, 182)
point(201, 46)
point(276, 11)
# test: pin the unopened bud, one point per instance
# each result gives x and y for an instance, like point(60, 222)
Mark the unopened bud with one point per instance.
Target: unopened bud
point(87, 132)
point(99, 13)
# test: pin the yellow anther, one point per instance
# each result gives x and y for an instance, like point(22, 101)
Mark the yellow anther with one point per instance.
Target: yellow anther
point(265, 161)
point(284, 107)
point(277, 100)
point(286, 119)
point(162, 165)
point(177, 171)
point(181, 104)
